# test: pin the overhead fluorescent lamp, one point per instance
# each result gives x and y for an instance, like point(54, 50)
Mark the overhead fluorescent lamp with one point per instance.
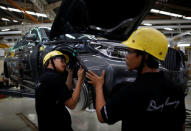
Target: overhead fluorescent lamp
point(170, 14)
point(42, 15)
point(98, 28)
point(187, 18)
point(183, 45)
point(13, 9)
point(165, 13)
point(154, 11)
point(147, 24)
point(15, 21)
point(2, 7)
point(5, 19)
point(70, 36)
point(36, 14)
point(29, 12)
point(170, 29)
point(5, 30)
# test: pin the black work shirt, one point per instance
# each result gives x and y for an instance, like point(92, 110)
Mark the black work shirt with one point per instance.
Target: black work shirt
point(151, 103)
point(51, 94)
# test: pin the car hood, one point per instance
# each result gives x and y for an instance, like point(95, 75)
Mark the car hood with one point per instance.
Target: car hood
point(110, 19)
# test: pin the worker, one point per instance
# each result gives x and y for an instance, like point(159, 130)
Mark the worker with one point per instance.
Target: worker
point(152, 102)
point(54, 92)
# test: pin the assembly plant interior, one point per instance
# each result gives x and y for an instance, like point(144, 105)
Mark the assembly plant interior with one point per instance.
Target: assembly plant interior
point(29, 28)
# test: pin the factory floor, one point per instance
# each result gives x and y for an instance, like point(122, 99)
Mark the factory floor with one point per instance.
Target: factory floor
point(18, 114)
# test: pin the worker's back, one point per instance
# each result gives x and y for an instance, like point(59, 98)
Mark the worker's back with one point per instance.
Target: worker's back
point(152, 103)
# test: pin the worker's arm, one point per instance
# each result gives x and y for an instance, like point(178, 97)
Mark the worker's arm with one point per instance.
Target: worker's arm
point(100, 102)
point(69, 79)
point(71, 102)
point(98, 84)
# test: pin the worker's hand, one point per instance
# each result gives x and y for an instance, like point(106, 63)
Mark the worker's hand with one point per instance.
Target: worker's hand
point(70, 71)
point(81, 74)
point(95, 80)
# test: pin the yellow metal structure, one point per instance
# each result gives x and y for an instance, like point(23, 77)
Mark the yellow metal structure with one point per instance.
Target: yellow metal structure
point(4, 46)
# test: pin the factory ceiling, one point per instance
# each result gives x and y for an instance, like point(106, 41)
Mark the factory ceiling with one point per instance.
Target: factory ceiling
point(170, 16)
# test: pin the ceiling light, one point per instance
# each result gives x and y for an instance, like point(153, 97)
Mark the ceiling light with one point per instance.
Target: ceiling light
point(15, 21)
point(170, 29)
point(29, 12)
point(154, 11)
point(2, 7)
point(165, 13)
point(70, 36)
point(5, 19)
point(147, 24)
point(170, 14)
point(5, 30)
point(98, 28)
point(42, 15)
point(13, 9)
point(36, 14)
point(188, 18)
point(183, 45)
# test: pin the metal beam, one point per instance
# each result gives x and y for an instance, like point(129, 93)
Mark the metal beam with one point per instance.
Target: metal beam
point(172, 26)
point(25, 27)
point(10, 33)
point(181, 8)
point(12, 16)
point(53, 5)
point(171, 32)
point(38, 4)
point(167, 21)
point(22, 4)
point(177, 37)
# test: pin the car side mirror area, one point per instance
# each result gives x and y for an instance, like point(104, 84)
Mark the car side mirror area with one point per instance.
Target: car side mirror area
point(31, 37)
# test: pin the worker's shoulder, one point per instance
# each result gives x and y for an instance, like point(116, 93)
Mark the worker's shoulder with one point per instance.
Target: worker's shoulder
point(171, 86)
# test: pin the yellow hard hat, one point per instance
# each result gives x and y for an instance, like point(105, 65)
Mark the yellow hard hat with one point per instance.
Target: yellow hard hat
point(149, 40)
point(55, 53)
